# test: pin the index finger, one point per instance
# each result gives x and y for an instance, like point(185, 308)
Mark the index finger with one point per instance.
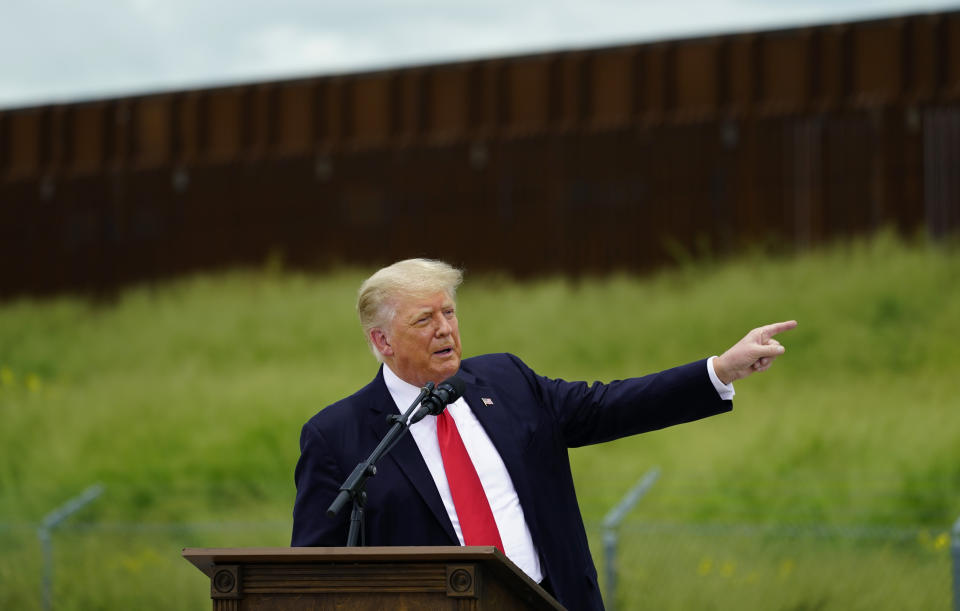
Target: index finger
point(768, 331)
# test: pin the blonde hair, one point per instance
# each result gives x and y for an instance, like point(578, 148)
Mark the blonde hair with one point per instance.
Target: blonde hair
point(376, 299)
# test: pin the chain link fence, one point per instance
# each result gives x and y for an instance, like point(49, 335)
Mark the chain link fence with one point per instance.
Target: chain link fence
point(669, 566)
point(119, 565)
point(644, 563)
point(662, 565)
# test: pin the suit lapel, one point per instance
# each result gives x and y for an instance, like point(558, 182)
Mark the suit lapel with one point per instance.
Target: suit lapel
point(406, 455)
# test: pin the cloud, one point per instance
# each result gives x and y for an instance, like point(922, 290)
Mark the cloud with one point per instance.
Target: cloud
point(294, 48)
point(55, 50)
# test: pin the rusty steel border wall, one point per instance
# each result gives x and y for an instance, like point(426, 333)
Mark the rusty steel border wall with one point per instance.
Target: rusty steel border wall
point(616, 158)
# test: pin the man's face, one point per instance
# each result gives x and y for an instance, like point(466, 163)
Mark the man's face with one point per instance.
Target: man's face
point(422, 343)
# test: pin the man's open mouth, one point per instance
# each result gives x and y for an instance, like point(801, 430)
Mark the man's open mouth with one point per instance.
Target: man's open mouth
point(443, 352)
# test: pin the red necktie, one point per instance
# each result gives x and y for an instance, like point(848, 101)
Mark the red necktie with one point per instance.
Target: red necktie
point(473, 509)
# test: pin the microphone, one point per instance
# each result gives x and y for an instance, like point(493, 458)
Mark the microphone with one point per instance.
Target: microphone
point(447, 392)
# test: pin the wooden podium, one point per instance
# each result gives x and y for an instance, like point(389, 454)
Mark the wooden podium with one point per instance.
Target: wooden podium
point(366, 578)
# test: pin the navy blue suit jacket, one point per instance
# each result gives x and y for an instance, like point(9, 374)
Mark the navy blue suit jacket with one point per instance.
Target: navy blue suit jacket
point(532, 422)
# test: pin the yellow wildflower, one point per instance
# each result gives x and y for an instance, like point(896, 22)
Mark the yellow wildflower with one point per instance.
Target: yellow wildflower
point(941, 542)
point(728, 568)
point(786, 568)
point(706, 566)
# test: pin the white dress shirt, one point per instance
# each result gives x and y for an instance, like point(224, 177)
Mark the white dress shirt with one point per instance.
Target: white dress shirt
point(502, 496)
point(725, 391)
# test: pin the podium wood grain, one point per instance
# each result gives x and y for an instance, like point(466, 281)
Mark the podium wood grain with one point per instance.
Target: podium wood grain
point(366, 578)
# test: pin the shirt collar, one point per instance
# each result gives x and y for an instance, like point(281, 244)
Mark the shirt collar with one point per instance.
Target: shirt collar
point(403, 392)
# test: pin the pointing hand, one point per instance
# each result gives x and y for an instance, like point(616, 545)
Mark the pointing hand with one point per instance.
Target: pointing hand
point(755, 352)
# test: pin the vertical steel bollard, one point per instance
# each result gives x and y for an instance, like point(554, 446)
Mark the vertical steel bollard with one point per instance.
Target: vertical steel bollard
point(955, 552)
point(46, 578)
point(44, 534)
point(610, 537)
point(610, 566)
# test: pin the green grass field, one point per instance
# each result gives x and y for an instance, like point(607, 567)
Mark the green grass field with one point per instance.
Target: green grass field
point(185, 399)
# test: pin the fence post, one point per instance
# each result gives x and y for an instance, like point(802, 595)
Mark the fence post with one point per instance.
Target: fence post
point(45, 532)
point(955, 552)
point(610, 538)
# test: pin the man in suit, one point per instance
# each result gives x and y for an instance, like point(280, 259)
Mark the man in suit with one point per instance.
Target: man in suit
point(492, 469)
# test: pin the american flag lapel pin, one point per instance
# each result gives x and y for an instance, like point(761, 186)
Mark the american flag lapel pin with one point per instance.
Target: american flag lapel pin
point(487, 401)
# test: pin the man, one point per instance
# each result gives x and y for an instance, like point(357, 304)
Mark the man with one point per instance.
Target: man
point(512, 486)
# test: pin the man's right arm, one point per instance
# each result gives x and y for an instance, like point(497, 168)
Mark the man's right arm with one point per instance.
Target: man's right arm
point(318, 480)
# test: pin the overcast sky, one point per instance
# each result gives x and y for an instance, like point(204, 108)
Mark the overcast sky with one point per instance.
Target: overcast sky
point(59, 50)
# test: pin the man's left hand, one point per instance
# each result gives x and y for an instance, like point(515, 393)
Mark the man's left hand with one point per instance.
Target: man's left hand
point(755, 352)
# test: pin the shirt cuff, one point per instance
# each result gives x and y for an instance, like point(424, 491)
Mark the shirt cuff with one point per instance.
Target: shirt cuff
point(725, 391)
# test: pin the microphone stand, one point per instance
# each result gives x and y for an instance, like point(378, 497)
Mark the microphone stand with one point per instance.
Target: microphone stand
point(353, 488)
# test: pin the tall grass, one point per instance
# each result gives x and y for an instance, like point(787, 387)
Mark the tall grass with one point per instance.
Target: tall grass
point(186, 398)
